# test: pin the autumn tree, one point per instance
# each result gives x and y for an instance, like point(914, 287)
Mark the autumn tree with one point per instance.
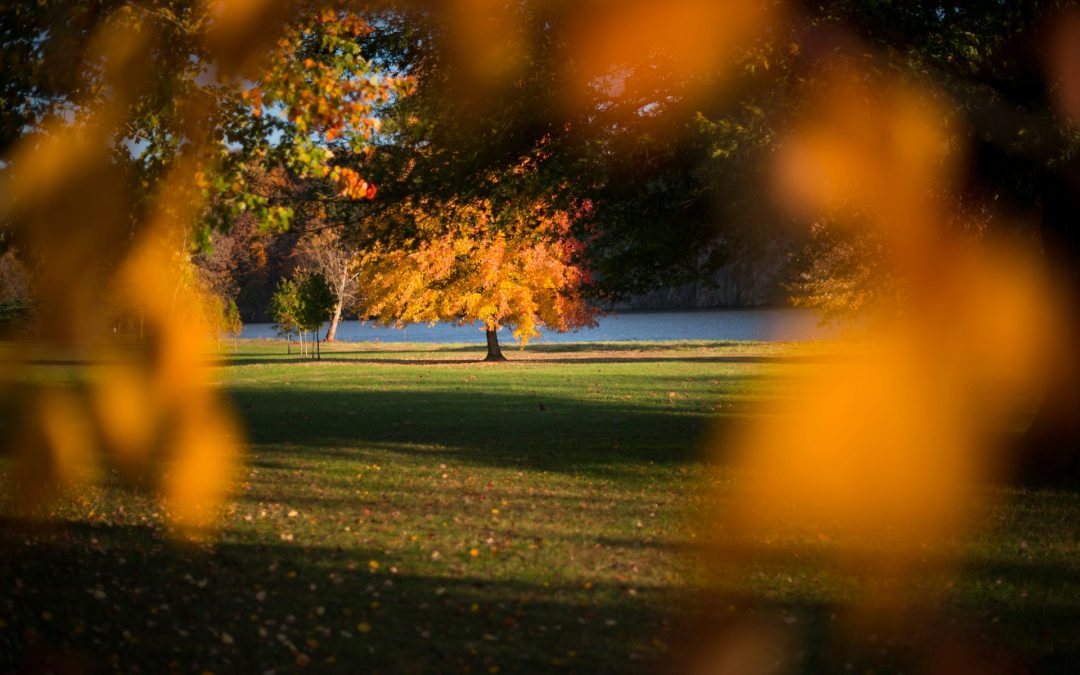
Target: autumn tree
point(323, 251)
point(469, 262)
point(298, 91)
point(630, 105)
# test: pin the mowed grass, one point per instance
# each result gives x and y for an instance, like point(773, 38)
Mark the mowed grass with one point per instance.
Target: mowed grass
point(404, 508)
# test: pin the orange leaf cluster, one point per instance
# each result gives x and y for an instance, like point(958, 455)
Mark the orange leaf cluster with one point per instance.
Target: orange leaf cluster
point(318, 79)
point(353, 186)
point(326, 93)
point(469, 265)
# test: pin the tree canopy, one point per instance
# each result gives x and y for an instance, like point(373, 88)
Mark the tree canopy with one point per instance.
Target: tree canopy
point(466, 265)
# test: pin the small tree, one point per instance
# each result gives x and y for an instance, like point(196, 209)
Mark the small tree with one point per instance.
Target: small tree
point(234, 325)
point(285, 311)
point(317, 302)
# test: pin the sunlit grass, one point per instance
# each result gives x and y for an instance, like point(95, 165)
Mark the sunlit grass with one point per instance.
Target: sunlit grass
point(398, 515)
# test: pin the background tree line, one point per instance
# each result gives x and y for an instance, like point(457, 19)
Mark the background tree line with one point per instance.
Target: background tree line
point(654, 126)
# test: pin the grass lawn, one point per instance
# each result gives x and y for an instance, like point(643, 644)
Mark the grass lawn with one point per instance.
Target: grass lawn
point(403, 508)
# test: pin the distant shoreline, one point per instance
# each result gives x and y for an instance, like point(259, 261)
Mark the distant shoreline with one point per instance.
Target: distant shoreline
point(782, 324)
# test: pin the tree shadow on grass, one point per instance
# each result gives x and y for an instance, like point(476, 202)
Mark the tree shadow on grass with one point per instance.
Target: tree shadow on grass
point(106, 598)
point(86, 598)
point(499, 429)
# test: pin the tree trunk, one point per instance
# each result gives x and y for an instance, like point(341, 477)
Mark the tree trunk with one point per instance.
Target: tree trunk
point(494, 353)
point(331, 332)
point(288, 343)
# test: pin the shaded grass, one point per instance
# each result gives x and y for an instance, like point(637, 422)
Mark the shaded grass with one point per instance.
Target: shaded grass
point(462, 517)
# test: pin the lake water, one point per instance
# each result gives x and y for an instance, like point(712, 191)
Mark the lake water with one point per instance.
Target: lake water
point(734, 324)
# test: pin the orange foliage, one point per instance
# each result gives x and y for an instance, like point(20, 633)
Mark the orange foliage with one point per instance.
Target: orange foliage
point(464, 266)
point(333, 96)
point(881, 453)
point(628, 47)
point(113, 277)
